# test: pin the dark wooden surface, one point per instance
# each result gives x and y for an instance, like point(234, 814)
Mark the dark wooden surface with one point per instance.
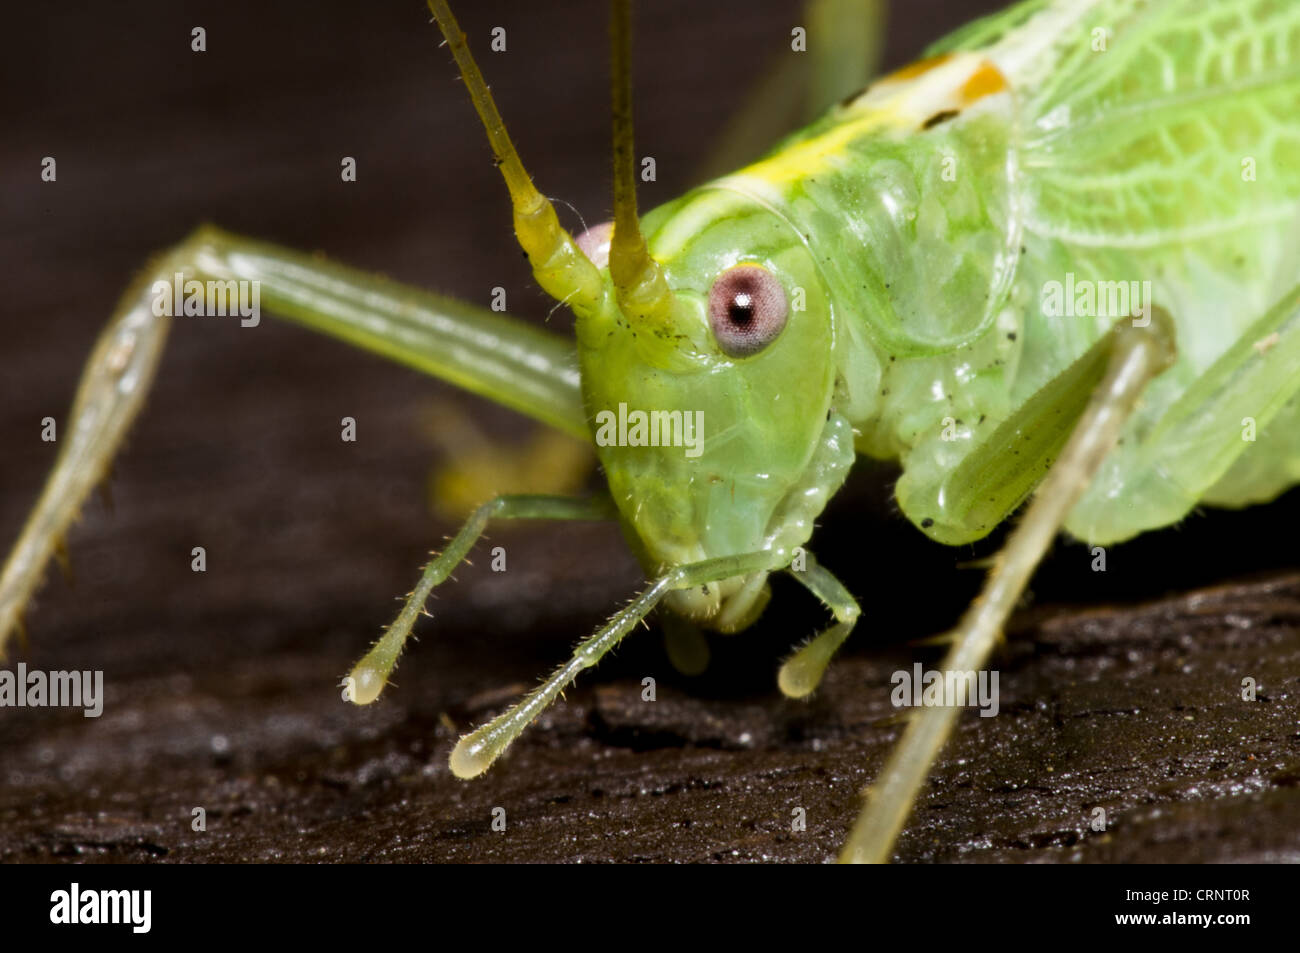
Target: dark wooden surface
point(1119, 690)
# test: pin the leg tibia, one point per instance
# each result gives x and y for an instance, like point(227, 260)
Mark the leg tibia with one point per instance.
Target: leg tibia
point(475, 752)
point(112, 390)
point(490, 354)
point(370, 675)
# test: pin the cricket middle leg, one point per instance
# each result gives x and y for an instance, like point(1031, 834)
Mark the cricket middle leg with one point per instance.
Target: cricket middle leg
point(502, 358)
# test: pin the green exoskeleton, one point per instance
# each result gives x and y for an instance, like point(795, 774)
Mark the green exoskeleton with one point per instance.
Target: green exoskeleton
point(1057, 258)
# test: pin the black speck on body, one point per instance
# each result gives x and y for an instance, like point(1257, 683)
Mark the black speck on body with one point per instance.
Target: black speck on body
point(941, 116)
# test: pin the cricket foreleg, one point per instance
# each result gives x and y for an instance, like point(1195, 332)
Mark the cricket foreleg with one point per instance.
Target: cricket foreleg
point(369, 676)
point(1137, 355)
point(476, 751)
point(802, 671)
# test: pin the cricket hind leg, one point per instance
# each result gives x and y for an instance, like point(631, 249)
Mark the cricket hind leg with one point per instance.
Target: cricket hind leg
point(1137, 355)
point(493, 355)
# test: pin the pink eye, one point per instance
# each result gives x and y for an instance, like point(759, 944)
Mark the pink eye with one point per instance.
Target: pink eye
point(747, 309)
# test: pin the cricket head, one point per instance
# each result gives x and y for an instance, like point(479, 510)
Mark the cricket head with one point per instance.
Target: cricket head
point(707, 405)
point(705, 350)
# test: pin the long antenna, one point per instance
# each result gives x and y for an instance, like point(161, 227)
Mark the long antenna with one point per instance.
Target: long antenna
point(558, 264)
point(639, 283)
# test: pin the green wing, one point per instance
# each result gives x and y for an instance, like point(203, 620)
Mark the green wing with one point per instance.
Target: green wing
point(1148, 124)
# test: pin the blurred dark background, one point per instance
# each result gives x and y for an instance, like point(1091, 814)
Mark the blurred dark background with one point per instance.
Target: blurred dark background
point(309, 539)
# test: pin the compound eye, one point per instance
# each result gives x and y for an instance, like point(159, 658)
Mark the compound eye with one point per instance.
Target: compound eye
point(747, 309)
